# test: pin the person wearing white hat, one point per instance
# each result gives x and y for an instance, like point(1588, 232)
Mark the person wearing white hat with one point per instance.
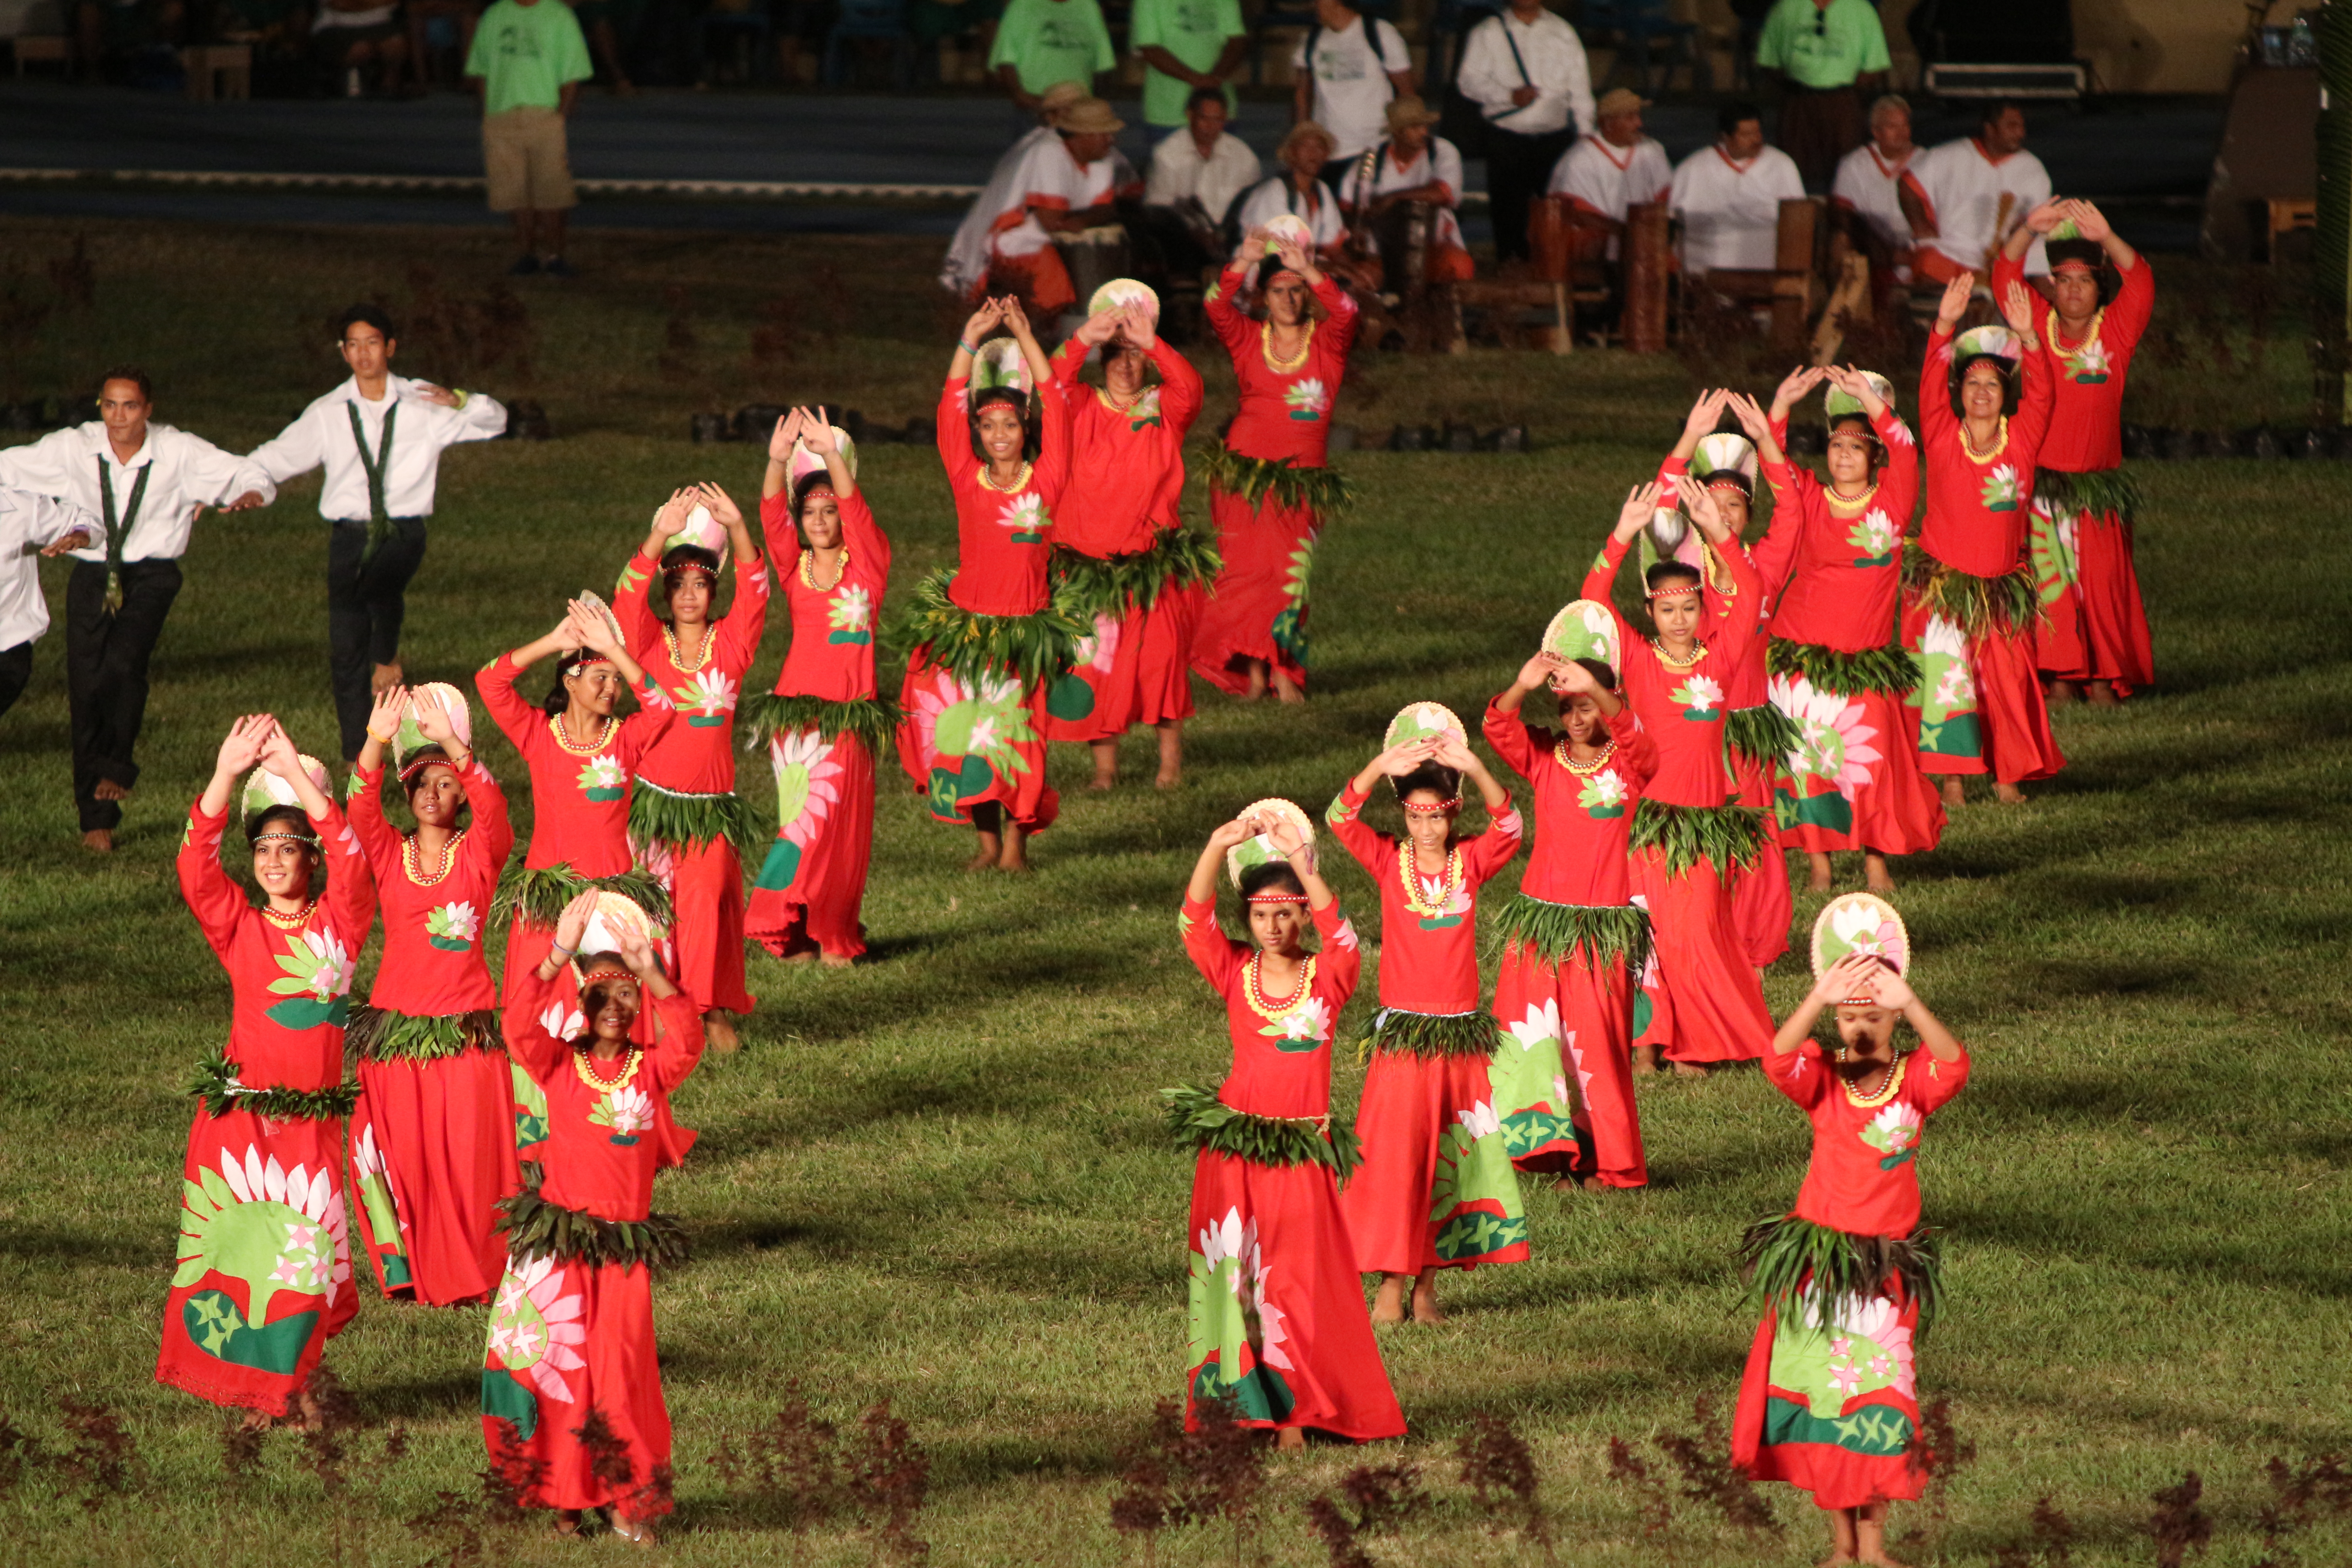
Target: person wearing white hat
point(1298, 192)
point(33, 528)
point(1727, 196)
point(686, 824)
point(1413, 164)
point(965, 271)
point(1615, 168)
point(1060, 188)
point(1524, 68)
point(245, 1322)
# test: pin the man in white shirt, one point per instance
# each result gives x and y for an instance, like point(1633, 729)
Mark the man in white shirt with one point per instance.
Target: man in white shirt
point(1527, 72)
point(1615, 169)
point(1966, 197)
point(33, 527)
point(1727, 196)
point(1298, 190)
point(1064, 184)
point(1414, 164)
point(1196, 174)
point(146, 483)
point(1867, 197)
point(380, 438)
point(1345, 71)
point(966, 271)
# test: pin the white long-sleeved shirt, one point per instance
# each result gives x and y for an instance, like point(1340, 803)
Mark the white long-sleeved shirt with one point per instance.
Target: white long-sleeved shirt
point(1273, 197)
point(1177, 171)
point(323, 434)
point(1730, 213)
point(185, 472)
point(1556, 69)
point(29, 524)
point(1438, 162)
point(1869, 184)
point(1963, 185)
point(1607, 181)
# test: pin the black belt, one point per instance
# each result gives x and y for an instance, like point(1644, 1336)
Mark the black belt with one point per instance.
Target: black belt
point(363, 523)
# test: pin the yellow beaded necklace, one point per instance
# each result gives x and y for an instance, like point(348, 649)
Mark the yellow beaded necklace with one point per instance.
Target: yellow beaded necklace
point(669, 639)
point(582, 1056)
point(1884, 1092)
point(564, 738)
point(1285, 366)
point(293, 921)
point(1976, 456)
point(1449, 881)
point(1680, 666)
point(413, 862)
point(808, 571)
point(1561, 749)
point(1019, 480)
point(1841, 503)
point(1254, 992)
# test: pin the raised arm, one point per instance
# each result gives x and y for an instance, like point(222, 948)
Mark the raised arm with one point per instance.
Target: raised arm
point(1182, 391)
point(1225, 317)
point(364, 799)
point(1492, 849)
point(633, 590)
point(1345, 813)
point(746, 620)
point(218, 903)
point(297, 450)
point(1216, 955)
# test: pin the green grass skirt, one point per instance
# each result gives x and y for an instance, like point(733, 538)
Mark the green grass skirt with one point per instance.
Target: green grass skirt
point(1323, 491)
point(2006, 605)
point(658, 816)
point(1087, 586)
point(1199, 1120)
point(537, 1228)
point(873, 719)
point(1778, 1256)
point(1727, 836)
point(1431, 1034)
point(381, 1034)
point(1037, 650)
point(2099, 493)
point(1889, 670)
point(1550, 933)
point(1762, 734)
point(539, 893)
point(216, 1084)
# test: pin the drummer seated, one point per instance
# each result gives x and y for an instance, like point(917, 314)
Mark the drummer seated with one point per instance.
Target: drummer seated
point(1414, 164)
point(1297, 192)
point(1069, 186)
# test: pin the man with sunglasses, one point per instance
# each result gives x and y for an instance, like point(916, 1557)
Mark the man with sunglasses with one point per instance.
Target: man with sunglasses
point(1829, 54)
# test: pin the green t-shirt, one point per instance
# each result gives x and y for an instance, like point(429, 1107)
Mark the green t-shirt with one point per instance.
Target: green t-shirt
point(1047, 41)
point(526, 53)
point(1194, 31)
point(1823, 48)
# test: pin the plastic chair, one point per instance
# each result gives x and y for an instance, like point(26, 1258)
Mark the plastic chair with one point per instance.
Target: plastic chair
point(885, 20)
point(1633, 23)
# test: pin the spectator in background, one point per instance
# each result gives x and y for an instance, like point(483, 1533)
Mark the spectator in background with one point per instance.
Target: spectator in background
point(935, 20)
point(1868, 197)
point(1041, 42)
point(1727, 196)
point(611, 28)
point(1187, 45)
point(418, 16)
point(127, 40)
point(527, 61)
point(1344, 72)
point(1829, 53)
point(355, 38)
point(1298, 190)
point(278, 32)
point(1062, 186)
point(1613, 169)
point(1002, 201)
point(1196, 176)
point(1526, 73)
point(1964, 197)
point(1414, 164)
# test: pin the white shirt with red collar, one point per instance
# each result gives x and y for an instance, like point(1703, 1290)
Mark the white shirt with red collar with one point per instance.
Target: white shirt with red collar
point(1867, 184)
point(1050, 178)
point(1316, 206)
point(1437, 164)
point(1605, 180)
point(1961, 185)
point(1731, 212)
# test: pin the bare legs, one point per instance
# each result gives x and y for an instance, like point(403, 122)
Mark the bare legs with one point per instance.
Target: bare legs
point(1875, 874)
point(1389, 1306)
point(718, 1030)
point(1956, 797)
point(1003, 843)
point(1170, 733)
point(1260, 673)
point(1859, 1535)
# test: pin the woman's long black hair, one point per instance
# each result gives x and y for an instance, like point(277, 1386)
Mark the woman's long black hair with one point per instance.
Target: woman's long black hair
point(558, 696)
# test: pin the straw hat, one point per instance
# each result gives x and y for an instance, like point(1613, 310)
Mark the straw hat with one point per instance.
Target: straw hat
point(1260, 851)
point(1859, 922)
point(1089, 117)
point(1424, 722)
point(1000, 362)
point(1055, 100)
point(1619, 100)
point(1584, 628)
point(1299, 132)
point(1722, 454)
point(701, 529)
point(264, 789)
point(1409, 110)
point(411, 737)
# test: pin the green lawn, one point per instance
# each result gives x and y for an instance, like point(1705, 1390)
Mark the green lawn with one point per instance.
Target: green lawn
point(941, 1179)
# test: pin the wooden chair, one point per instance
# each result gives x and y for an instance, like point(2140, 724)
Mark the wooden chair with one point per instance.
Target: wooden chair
point(1789, 288)
point(2286, 215)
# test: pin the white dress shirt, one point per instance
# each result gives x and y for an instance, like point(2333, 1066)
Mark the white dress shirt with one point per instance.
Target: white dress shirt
point(1867, 184)
point(1351, 80)
point(1730, 213)
point(323, 434)
point(29, 524)
point(1556, 69)
point(1963, 186)
point(1178, 172)
point(1277, 195)
point(185, 472)
point(1605, 180)
point(1439, 163)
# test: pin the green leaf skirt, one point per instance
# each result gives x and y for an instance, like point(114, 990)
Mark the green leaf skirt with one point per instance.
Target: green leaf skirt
point(1550, 933)
point(873, 719)
point(1762, 734)
point(1725, 835)
point(216, 1084)
point(1778, 1256)
point(1036, 649)
point(1199, 1120)
point(539, 893)
point(1395, 1030)
point(2102, 492)
point(1889, 670)
point(658, 816)
point(382, 1035)
point(537, 1228)
point(1087, 586)
point(1323, 491)
point(2006, 605)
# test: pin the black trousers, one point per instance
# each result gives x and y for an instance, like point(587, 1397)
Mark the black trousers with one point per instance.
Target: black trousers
point(16, 668)
point(1518, 170)
point(106, 674)
point(364, 608)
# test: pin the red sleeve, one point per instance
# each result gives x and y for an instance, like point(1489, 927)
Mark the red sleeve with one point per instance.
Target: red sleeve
point(678, 1040)
point(2007, 270)
point(954, 432)
point(1672, 471)
point(1635, 751)
point(1343, 955)
point(2037, 397)
point(1067, 361)
point(491, 828)
point(1902, 474)
point(1775, 555)
point(2134, 303)
point(1216, 955)
point(863, 534)
point(1225, 317)
point(1181, 389)
point(1931, 1084)
point(351, 886)
point(641, 729)
point(540, 1054)
point(1514, 740)
point(217, 903)
point(1802, 1074)
point(746, 620)
point(633, 601)
point(1600, 587)
point(1492, 850)
point(1740, 628)
point(778, 533)
point(1936, 416)
point(364, 800)
point(1345, 317)
point(1052, 444)
point(1373, 851)
point(516, 719)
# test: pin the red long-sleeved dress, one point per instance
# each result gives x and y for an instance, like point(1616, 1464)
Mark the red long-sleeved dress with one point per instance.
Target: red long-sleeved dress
point(972, 733)
point(1258, 608)
point(1564, 996)
point(684, 803)
point(1830, 1399)
point(1127, 474)
point(1979, 701)
point(569, 1334)
point(2093, 626)
point(1706, 1003)
point(265, 1260)
point(1436, 1189)
point(1276, 1319)
point(1853, 782)
point(435, 1131)
point(822, 742)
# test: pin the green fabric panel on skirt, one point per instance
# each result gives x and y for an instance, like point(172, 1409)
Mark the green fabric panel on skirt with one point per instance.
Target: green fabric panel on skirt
point(381, 1034)
point(1199, 1120)
point(537, 1228)
point(658, 817)
point(1778, 1256)
point(1761, 734)
point(873, 719)
point(1323, 491)
point(1727, 836)
point(539, 893)
point(216, 1084)
point(1432, 1034)
point(2100, 492)
point(1087, 586)
point(1034, 648)
point(1549, 932)
point(1889, 670)
point(1979, 606)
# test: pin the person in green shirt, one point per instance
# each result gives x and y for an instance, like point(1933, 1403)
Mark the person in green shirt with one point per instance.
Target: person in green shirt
point(1830, 56)
point(528, 60)
point(1186, 44)
point(1041, 42)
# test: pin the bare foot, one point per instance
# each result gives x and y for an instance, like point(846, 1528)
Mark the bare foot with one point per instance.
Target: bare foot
point(1290, 1440)
point(1256, 682)
point(1874, 873)
point(2102, 694)
point(1287, 689)
point(720, 1033)
point(636, 1531)
point(1690, 1069)
point(2008, 793)
point(2061, 692)
point(1167, 780)
point(1645, 1059)
point(1424, 1300)
point(991, 850)
point(1387, 1306)
point(565, 1525)
point(1879, 1559)
point(98, 841)
point(107, 789)
point(257, 1421)
point(1016, 849)
point(1955, 796)
point(1818, 878)
point(1099, 784)
point(808, 954)
point(1836, 1558)
point(1570, 1183)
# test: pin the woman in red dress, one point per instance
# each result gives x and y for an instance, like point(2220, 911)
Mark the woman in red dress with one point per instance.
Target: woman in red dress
point(265, 1260)
point(1970, 604)
point(989, 642)
point(1847, 1281)
point(434, 1137)
point(1436, 1190)
point(1123, 561)
point(1840, 673)
point(1276, 1316)
point(1573, 938)
point(685, 817)
point(1270, 494)
point(582, 763)
point(1690, 832)
point(825, 724)
point(572, 1332)
point(2092, 637)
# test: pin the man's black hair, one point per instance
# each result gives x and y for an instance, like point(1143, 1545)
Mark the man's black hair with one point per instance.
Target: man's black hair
point(365, 315)
point(1732, 116)
point(130, 373)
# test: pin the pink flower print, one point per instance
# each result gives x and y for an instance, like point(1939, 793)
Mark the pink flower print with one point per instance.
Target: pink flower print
point(1846, 1380)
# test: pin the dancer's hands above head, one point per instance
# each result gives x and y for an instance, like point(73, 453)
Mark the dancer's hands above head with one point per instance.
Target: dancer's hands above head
point(436, 723)
point(984, 321)
point(583, 627)
point(1955, 302)
point(1751, 418)
point(1793, 387)
point(240, 748)
point(2016, 309)
point(1570, 679)
point(1101, 327)
point(390, 706)
point(1227, 835)
point(1290, 843)
point(1634, 515)
point(571, 925)
point(1538, 672)
point(1699, 503)
point(1894, 992)
point(1294, 259)
point(1138, 326)
point(637, 952)
point(278, 754)
point(1704, 414)
point(721, 506)
point(2089, 221)
point(787, 431)
point(1848, 976)
point(816, 432)
point(1009, 309)
point(2048, 215)
point(1400, 760)
point(1448, 752)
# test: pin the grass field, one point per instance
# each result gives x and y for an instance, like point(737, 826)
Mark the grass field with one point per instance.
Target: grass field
point(941, 1179)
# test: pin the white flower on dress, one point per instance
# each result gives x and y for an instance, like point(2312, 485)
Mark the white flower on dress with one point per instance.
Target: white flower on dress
point(852, 610)
point(1832, 743)
point(808, 781)
point(1307, 397)
point(315, 962)
point(708, 695)
point(1479, 1121)
point(1541, 1024)
point(1098, 648)
point(1307, 1021)
point(1699, 695)
point(564, 1023)
point(1232, 1239)
point(1024, 514)
point(628, 1111)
